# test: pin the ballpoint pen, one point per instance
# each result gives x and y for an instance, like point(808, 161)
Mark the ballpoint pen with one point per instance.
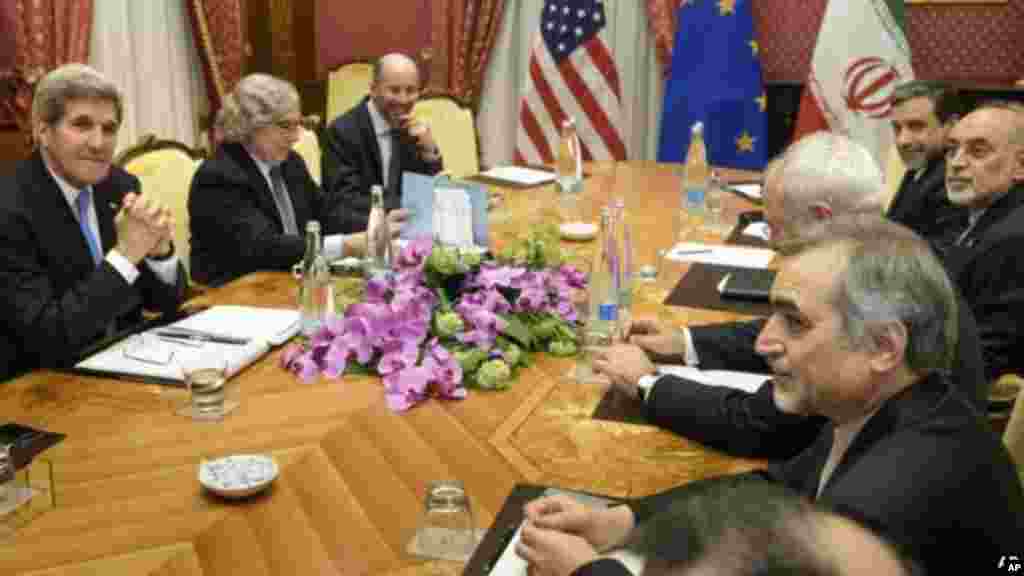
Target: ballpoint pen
point(201, 337)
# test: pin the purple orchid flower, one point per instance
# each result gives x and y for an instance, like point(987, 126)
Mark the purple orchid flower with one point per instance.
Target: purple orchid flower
point(404, 389)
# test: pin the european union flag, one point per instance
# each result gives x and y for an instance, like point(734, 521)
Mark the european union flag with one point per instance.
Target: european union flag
point(716, 79)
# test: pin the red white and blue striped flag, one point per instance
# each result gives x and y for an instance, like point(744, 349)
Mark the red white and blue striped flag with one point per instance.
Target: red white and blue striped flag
point(572, 73)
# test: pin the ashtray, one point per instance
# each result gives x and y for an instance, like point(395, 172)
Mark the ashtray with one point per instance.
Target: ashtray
point(237, 476)
point(578, 231)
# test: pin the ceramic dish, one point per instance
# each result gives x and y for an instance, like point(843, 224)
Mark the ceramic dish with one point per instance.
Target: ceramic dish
point(237, 476)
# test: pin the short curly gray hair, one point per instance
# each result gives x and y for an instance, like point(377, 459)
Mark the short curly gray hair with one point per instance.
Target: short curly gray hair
point(71, 82)
point(258, 100)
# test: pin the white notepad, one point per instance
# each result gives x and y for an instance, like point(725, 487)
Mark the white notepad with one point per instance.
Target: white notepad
point(272, 325)
point(148, 356)
point(519, 175)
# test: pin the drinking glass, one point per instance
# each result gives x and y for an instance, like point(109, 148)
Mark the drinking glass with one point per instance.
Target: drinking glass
point(447, 529)
point(205, 374)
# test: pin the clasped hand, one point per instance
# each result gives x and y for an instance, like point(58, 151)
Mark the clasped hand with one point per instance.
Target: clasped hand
point(560, 534)
point(420, 131)
point(144, 228)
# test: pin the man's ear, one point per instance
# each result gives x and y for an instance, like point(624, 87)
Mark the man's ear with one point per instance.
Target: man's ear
point(1018, 165)
point(890, 347)
point(821, 211)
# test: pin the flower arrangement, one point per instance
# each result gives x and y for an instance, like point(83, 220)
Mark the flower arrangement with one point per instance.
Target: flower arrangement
point(447, 319)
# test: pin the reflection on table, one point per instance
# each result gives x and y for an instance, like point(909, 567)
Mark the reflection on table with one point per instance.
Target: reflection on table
point(353, 474)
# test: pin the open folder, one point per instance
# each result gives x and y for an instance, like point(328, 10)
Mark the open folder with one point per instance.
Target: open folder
point(241, 334)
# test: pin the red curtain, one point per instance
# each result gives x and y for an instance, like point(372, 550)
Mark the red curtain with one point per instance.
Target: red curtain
point(47, 34)
point(464, 34)
point(217, 28)
point(661, 17)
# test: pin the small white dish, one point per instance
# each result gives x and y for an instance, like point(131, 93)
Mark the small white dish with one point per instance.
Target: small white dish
point(578, 230)
point(237, 476)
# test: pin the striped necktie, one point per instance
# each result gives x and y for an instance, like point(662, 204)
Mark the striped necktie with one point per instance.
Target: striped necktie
point(83, 202)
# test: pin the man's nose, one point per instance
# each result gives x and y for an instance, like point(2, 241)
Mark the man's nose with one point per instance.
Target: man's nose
point(768, 343)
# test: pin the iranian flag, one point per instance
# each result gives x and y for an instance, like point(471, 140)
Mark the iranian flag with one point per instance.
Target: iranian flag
point(861, 54)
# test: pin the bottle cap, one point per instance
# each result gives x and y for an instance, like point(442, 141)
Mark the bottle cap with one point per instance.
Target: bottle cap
point(312, 226)
point(608, 312)
point(698, 128)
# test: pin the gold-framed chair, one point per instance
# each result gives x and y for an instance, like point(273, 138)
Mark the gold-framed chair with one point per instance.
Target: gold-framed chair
point(1013, 435)
point(346, 86)
point(453, 125)
point(165, 169)
point(308, 146)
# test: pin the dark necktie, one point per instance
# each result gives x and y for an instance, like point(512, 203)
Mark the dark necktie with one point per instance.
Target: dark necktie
point(84, 199)
point(283, 202)
point(394, 163)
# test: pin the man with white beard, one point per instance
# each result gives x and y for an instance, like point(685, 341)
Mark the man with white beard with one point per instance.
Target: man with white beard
point(985, 174)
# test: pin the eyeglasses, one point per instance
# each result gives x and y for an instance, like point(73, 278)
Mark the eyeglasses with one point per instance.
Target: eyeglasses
point(287, 125)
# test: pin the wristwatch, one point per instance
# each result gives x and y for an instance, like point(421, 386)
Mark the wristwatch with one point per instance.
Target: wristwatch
point(644, 386)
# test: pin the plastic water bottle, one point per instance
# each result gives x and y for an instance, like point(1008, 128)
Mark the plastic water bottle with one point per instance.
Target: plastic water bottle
point(694, 187)
point(316, 295)
point(626, 277)
point(569, 170)
point(569, 165)
point(713, 203)
point(604, 297)
point(378, 236)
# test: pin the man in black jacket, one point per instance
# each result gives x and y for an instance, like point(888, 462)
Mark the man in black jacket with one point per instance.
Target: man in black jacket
point(863, 335)
point(375, 142)
point(81, 251)
point(823, 176)
point(922, 114)
point(249, 204)
point(985, 174)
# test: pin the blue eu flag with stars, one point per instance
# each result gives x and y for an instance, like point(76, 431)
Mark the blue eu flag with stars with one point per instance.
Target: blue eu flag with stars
point(716, 79)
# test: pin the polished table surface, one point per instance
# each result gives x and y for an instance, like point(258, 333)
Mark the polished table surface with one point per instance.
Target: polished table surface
point(354, 474)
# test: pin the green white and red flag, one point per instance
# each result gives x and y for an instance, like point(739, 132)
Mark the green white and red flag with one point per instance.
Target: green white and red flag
point(861, 54)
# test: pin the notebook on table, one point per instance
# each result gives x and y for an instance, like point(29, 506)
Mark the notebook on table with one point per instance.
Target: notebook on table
point(241, 334)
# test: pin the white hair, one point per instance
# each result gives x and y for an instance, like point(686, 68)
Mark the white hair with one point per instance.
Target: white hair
point(825, 168)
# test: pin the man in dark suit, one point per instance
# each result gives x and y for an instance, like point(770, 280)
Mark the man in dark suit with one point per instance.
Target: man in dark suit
point(862, 335)
point(249, 204)
point(822, 176)
point(922, 113)
point(74, 232)
point(375, 142)
point(985, 174)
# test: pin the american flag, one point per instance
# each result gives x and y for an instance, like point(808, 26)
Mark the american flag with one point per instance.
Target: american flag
point(572, 73)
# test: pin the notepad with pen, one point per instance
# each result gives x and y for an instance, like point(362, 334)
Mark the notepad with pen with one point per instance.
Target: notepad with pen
point(241, 334)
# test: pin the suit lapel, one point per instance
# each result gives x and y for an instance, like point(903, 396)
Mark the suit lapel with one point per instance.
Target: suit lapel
point(256, 180)
point(65, 243)
point(103, 195)
point(370, 135)
point(907, 407)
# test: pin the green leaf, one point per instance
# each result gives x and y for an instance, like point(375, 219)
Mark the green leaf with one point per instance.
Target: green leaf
point(516, 330)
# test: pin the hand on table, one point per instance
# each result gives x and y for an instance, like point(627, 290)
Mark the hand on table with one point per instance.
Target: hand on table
point(624, 364)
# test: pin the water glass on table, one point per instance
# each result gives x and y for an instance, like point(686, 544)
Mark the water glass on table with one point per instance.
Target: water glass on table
point(447, 529)
point(204, 372)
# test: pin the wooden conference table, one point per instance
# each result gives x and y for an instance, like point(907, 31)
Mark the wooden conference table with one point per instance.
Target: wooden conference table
point(354, 475)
